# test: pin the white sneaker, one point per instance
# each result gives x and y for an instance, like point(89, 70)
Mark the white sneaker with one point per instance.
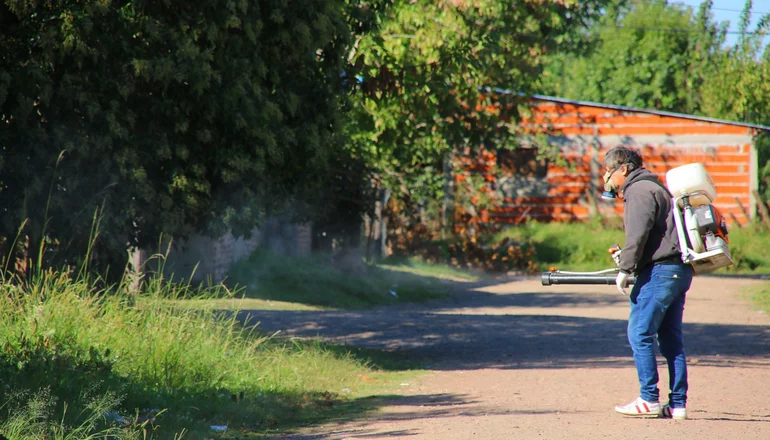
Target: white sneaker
point(673, 413)
point(640, 408)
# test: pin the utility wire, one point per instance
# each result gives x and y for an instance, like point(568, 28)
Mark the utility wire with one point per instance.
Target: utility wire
point(713, 9)
point(721, 9)
point(665, 29)
point(738, 10)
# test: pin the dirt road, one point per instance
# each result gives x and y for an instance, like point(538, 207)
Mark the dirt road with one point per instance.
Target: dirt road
point(516, 360)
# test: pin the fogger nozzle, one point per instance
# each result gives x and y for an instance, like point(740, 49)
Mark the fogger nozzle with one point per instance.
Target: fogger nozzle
point(551, 278)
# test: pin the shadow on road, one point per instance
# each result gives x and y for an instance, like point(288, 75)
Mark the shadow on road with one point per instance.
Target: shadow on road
point(733, 417)
point(481, 299)
point(517, 328)
point(508, 341)
point(412, 408)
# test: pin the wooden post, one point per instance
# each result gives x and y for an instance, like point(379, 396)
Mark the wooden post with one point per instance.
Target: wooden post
point(369, 226)
point(735, 220)
point(448, 208)
point(743, 210)
point(595, 167)
point(762, 208)
point(593, 205)
point(384, 223)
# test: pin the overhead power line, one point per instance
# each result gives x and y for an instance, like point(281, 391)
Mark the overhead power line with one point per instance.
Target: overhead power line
point(739, 10)
point(667, 29)
point(723, 9)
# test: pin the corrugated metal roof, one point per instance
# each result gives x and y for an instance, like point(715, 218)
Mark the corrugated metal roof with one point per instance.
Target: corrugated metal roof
point(633, 109)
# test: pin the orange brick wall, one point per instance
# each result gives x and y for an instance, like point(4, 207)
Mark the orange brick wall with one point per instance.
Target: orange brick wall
point(584, 133)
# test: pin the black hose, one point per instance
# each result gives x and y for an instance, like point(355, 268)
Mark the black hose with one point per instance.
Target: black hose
point(551, 278)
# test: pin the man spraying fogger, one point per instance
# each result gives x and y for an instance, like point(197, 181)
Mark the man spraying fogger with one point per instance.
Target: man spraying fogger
point(657, 298)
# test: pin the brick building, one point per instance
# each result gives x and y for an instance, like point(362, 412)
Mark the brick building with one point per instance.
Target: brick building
point(534, 188)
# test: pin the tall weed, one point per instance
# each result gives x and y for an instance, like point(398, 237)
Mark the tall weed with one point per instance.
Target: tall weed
point(33, 417)
point(152, 365)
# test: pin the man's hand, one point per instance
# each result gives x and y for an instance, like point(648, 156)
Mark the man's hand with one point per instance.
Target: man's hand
point(621, 282)
point(616, 257)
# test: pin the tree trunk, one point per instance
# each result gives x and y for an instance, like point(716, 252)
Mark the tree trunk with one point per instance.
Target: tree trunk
point(384, 223)
point(447, 210)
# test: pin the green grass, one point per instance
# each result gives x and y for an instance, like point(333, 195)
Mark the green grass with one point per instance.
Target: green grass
point(567, 246)
point(76, 358)
point(583, 246)
point(315, 281)
point(760, 296)
point(236, 303)
point(166, 362)
point(419, 267)
point(749, 250)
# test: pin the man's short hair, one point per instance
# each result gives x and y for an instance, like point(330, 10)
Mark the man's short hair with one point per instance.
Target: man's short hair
point(619, 156)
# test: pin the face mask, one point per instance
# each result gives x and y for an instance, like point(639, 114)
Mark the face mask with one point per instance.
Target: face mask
point(610, 189)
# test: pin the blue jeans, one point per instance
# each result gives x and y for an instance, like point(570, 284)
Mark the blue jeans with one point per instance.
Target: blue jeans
point(657, 305)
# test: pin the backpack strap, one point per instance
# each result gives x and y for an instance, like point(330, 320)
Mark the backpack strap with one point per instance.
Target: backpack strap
point(654, 180)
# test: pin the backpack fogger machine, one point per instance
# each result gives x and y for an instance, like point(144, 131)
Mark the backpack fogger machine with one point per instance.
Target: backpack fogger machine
point(701, 229)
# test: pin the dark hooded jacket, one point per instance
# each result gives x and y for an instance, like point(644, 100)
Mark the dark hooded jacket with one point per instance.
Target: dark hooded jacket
point(651, 235)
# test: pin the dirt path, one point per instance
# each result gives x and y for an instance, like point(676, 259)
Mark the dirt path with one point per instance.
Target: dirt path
point(518, 360)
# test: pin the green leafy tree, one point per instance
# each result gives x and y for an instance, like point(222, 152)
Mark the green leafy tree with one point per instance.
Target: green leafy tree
point(644, 53)
point(161, 117)
point(739, 88)
point(424, 76)
point(651, 54)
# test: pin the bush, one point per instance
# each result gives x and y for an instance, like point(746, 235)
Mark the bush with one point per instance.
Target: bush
point(497, 256)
